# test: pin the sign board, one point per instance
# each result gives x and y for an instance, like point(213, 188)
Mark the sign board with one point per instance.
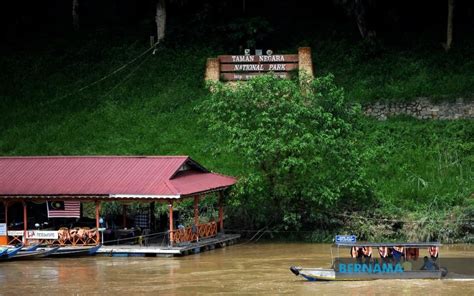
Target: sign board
point(42, 234)
point(346, 239)
point(15, 232)
point(244, 67)
point(247, 66)
point(3, 229)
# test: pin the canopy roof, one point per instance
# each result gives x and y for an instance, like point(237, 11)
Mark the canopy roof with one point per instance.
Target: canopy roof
point(407, 245)
point(115, 177)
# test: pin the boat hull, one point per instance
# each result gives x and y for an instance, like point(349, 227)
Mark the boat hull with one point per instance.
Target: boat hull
point(10, 253)
point(75, 251)
point(25, 255)
point(322, 274)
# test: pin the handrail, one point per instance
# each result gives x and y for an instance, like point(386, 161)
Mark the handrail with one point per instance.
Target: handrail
point(191, 234)
point(73, 237)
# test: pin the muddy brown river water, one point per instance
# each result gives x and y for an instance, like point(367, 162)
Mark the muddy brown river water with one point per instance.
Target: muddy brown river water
point(240, 269)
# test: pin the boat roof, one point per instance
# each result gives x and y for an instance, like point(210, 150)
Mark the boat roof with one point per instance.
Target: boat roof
point(387, 244)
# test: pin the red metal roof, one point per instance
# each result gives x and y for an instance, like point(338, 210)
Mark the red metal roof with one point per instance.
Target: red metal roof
point(187, 183)
point(115, 176)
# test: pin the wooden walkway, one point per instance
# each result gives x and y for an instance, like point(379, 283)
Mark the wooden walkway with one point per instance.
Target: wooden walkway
point(158, 250)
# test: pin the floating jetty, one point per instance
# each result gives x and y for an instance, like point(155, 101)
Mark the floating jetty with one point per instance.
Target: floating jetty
point(168, 251)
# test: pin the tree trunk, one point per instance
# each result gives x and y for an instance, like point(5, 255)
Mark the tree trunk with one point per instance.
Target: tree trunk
point(360, 11)
point(361, 18)
point(75, 15)
point(160, 20)
point(449, 35)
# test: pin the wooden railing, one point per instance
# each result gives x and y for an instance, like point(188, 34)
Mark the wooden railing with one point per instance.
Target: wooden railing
point(15, 239)
point(66, 237)
point(191, 234)
point(76, 237)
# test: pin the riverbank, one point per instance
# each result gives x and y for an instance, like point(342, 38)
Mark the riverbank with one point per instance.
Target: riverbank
point(64, 98)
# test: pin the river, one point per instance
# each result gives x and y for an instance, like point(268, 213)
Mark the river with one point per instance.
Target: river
point(261, 268)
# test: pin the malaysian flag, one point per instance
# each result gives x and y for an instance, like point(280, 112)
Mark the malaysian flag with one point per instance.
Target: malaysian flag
point(64, 209)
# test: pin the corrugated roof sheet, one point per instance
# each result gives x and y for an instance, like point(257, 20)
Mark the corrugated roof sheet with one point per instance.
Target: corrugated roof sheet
point(106, 175)
point(193, 182)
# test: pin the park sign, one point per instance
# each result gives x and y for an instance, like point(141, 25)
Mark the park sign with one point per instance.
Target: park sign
point(244, 67)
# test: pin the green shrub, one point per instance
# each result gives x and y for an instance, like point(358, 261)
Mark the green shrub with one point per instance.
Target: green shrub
point(299, 143)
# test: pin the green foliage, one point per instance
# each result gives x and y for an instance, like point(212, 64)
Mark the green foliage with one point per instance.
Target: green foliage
point(396, 74)
point(421, 166)
point(299, 142)
point(417, 170)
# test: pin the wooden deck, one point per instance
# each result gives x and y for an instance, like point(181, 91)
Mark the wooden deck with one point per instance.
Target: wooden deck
point(158, 250)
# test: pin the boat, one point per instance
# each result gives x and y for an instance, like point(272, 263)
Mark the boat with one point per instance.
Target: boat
point(396, 261)
point(30, 248)
point(3, 251)
point(75, 251)
point(33, 254)
point(10, 252)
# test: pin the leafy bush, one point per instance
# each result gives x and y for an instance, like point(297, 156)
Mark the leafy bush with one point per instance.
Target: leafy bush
point(299, 141)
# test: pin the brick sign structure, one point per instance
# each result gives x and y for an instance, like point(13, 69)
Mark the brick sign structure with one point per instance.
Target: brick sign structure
point(244, 67)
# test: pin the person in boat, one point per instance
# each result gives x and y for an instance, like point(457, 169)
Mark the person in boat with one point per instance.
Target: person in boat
point(434, 252)
point(398, 253)
point(429, 264)
point(367, 252)
point(356, 252)
point(385, 253)
point(360, 252)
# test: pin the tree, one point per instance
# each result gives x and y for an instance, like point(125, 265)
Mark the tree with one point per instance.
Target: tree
point(299, 143)
point(449, 31)
point(75, 15)
point(160, 19)
point(359, 9)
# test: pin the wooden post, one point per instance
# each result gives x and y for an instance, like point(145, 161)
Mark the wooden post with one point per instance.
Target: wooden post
point(212, 69)
point(152, 41)
point(170, 205)
point(5, 204)
point(305, 66)
point(25, 222)
point(196, 210)
point(97, 220)
point(124, 216)
point(305, 62)
point(152, 217)
point(4, 239)
point(221, 211)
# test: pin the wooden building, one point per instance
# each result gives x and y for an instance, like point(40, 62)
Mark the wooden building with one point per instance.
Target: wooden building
point(97, 179)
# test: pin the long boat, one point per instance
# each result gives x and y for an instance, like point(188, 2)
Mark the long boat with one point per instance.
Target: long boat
point(10, 252)
point(396, 261)
point(75, 251)
point(3, 251)
point(21, 255)
point(30, 248)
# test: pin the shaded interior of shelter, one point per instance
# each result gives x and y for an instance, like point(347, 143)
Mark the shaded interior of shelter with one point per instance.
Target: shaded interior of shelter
point(136, 216)
point(136, 224)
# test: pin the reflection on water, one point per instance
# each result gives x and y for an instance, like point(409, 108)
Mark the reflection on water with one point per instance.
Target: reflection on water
point(241, 269)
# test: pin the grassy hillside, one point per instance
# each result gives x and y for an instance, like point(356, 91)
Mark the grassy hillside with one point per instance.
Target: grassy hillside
point(148, 108)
